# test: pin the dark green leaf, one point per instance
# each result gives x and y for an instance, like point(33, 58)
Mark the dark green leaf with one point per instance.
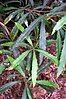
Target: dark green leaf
point(27, 31)
point(62, 59)
point(7, 86)
point(49, 56)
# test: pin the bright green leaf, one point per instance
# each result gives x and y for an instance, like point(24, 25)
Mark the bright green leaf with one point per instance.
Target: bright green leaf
point(19, 26)
point(34, 69)
point(59, 24)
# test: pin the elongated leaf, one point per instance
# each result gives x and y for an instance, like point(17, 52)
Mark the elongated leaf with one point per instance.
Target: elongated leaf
point(47, 83)
point(42, 40)
point(11, 16)
point(42, 68)
point(29, 40)
point(2, 67)
point(5, 52)
point(32, 2)
point(17, 61)
point(58, 9)
point(7, 86)
point(18, 68)
point(7, 44)
point(62, 59)
point(59, 24)
point(49, 56)
point(27, 31)
point(24, 95)
point(21, 20)
point(19, 26)
point(45, 2)
point(58, 45)
point(29, 94)
point(34, 69)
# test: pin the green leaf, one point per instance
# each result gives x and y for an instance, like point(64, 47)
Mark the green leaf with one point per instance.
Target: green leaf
point(59, 8)
point(18, 60)
point(7, 86)
point(29, 40)
point(11, 16)
point(34, 69)
point(29, 94)
point(7, 44)
point(19, 26)
point(58, 45)
point(49, 56)
point(2, 67)
point(21, 20)
point(42, 40)
point(62, 59)
point(46, 83)
point(24, 95)
point(59, 24)
point(27, 31)
point(18, 68)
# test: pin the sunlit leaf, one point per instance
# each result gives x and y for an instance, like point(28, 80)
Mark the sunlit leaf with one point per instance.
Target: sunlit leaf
point(59, 24)
point(18, 68)
point(34, 69)
point(11, 16)
point(7, 44)
point(27, 31)
point(47, 83)
point(19, 26)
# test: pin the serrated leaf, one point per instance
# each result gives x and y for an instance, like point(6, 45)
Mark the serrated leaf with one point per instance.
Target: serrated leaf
point(62, 59)
point(27, 31)
point(42, 40)
point(7, 86)
point(49, 56)
point(47, 83)
point(34, 69)
point(59, 24)
point(19, 26)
